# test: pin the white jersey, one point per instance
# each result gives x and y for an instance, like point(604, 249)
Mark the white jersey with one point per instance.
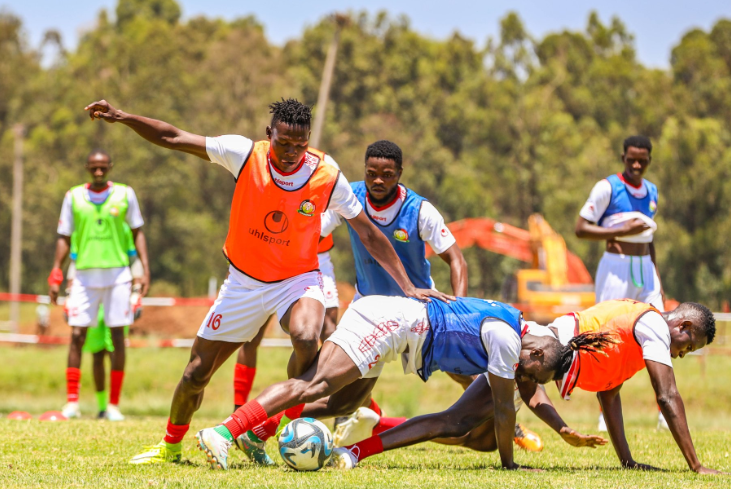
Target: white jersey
point(598, 202)
point(431, 223)
point(100, 277)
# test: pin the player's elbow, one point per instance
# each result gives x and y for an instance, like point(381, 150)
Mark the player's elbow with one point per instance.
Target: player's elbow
point(666, 400)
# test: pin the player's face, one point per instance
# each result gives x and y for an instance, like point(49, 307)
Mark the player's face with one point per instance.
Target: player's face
point(685, 339)
point(98, 166)
point(636, 161)
point(288, 145)
point(381, 179)
point(532, 368)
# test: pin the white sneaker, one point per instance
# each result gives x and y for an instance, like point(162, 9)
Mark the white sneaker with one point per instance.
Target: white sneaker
point(343, 459)
point(113, 413)
point(215, 447)
point(71, 410)
point(662, 423)
point(357, 428)
point(602, 426)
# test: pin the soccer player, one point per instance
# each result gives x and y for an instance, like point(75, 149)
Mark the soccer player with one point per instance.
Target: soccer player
point(274, 227)
point(621, 210)
point(639, 336)
point(97, 215)
point(467, 336)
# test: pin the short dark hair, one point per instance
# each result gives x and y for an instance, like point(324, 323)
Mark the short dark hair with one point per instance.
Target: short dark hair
point(99, 151)
point(387, 150)
point(706, 320)
point(292, 112)
point(642, 142)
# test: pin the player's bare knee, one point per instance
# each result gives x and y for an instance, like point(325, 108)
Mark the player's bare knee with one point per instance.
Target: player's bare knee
point(195, 379)
point(306, 343)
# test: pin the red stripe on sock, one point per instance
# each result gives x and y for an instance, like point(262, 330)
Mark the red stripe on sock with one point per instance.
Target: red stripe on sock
point(368, 447)
point(116, 379)
point(386, 424)
point(245, 418)
point(373, 406)
point(243, 382)
point(174, 433)
point(73, 377)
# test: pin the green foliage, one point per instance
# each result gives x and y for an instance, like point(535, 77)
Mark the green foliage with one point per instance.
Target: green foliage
point(524, 125)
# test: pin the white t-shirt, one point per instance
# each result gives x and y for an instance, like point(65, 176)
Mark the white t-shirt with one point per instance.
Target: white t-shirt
point(601, 196)
point(651, 331)
point(100, 277)
point(431, 223)
point(230, 151)
point(503, 348)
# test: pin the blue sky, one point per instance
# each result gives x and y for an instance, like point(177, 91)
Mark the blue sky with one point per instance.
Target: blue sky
point(657, 25)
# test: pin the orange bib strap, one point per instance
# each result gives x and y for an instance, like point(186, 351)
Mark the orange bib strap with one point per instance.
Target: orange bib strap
point(326, 244)
point(273, 233)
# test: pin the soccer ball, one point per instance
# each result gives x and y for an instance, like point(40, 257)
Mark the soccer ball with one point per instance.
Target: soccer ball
point(305, 444)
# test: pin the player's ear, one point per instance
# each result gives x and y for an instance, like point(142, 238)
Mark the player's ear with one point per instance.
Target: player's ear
point(537, 352)
point(269, 132)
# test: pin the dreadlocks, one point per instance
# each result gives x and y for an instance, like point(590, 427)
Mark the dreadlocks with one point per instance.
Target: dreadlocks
point(589, 342)
point(291, 112)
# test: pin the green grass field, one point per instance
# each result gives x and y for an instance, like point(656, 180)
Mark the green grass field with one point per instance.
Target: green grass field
point(90, 453)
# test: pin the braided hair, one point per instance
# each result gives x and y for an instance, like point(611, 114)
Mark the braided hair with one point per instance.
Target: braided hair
point(588, 342)
point(291, 112)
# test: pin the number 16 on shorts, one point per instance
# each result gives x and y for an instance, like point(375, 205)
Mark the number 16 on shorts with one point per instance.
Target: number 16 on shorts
point(214, 321)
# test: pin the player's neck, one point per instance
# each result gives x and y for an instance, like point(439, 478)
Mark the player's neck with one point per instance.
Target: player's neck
point(632, 181)
point(99, 187)
point(386, 202)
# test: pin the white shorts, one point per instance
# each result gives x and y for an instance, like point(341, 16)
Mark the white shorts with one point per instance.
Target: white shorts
point(329, 286)
point(628, 277)
point(82, 305)
point(243, 305)
point(377, 330)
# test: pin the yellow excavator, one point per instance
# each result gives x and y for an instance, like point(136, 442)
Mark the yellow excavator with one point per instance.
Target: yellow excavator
point(556, 282)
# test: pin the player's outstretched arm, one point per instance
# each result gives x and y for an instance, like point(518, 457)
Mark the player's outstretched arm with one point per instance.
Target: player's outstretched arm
point(380, 247)
point(612, 406)
point(157, 132)
point(539, 402)
point(671, 405)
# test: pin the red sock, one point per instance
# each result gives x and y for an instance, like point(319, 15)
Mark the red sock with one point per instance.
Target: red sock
point(269, 427)
point(116, 378)
point(373, 406)
point(243, 381)
point(175, 432)
point(367, 447)
point(73, 378)
point(245, 418)
point(387, 423)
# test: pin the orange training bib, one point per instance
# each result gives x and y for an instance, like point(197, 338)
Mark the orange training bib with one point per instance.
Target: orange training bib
point(326, 244)
point(273, 233)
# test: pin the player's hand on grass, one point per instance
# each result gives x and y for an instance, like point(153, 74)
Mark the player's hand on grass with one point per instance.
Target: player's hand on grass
point(576, 439)
point(706, 471)
point(632, 227)
point(427, 294)
point(102, 110)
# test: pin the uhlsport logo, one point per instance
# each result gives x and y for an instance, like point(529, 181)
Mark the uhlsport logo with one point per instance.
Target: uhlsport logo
point(653, 206)
point(276, 222)
point(114, 211)
point(401, 235)
point(307, 208)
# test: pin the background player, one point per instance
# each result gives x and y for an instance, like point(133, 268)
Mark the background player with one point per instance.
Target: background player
point(97, 214)
point(621, 210)
point(274, 228)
